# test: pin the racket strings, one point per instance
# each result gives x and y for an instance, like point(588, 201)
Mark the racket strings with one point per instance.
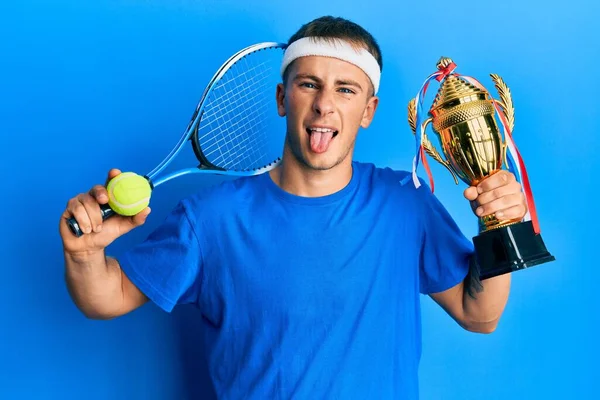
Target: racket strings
point(249, 71)
point(231, 97)
point(257, 120)
point(235, 128)
point(226, 98)
point(253, 145)
point(216, 110)
point(229, 142)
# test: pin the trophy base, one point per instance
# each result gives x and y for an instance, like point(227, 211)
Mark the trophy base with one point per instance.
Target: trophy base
point(510, 248)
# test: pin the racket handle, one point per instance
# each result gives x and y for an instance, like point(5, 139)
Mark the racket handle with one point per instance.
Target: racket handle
point(106, 211)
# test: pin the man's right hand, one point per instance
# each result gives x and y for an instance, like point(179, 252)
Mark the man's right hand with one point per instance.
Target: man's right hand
point(97, 234)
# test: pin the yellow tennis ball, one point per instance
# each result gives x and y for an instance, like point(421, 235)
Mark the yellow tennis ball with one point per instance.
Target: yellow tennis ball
point(128, 193)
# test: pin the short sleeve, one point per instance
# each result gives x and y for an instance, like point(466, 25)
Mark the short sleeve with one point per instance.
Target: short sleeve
point(167, 266)
point(445, 251)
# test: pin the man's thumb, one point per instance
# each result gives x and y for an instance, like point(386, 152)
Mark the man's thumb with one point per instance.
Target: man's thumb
point(140, 218)
point(113, 173)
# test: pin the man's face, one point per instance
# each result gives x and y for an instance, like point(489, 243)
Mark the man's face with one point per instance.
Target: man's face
point(325, 100)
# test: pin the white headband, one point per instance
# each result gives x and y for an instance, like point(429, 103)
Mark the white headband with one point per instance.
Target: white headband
point(341, 49)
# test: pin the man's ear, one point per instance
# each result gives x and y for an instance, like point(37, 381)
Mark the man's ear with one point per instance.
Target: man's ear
point(280, 98)
point(369, 112)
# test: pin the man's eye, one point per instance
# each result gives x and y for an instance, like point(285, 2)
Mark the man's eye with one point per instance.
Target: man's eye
point(346, 90)
point(308, 85)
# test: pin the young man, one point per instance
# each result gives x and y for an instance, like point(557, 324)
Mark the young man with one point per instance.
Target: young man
point(308, 277)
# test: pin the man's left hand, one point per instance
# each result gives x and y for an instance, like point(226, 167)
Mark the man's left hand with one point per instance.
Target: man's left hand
point(499, 194)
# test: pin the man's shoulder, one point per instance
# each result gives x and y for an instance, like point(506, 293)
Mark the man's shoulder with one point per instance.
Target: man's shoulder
point(381, 174)
point(393, 184)
point(230, 190)
point(223, 197)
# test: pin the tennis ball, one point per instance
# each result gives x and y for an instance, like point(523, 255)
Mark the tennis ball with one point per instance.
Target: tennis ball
point(128, 193)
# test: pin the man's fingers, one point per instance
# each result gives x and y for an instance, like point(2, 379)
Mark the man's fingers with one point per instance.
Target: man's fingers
point(511, 212)
point(100, 194)
point(500, 178)
point(513, 187)
point(471, 193)
point(92, 209)
point(76, 209)
point(498, 205)
point(140, 218)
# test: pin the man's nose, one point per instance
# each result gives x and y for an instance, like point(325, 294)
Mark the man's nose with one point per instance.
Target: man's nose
point(323, 103)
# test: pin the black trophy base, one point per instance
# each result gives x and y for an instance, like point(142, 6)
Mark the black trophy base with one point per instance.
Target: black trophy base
point(510, 248)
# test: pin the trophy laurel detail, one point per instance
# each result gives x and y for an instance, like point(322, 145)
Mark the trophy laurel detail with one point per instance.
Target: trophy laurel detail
point(463, 118)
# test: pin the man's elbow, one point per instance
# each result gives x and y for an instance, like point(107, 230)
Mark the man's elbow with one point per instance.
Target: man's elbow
point(94, 313)
point(481, 327)
point(93, 307)
point(95, 310)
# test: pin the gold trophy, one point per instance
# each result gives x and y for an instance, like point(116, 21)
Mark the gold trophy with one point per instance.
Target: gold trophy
point(463, 118)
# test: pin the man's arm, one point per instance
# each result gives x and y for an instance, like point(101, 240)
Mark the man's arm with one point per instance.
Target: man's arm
point(476, 310)
point(95, 282)
point(99, 288)
point(478, 305)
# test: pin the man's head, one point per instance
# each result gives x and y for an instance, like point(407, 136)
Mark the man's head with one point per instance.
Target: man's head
point(330, 28)
point(330, 77)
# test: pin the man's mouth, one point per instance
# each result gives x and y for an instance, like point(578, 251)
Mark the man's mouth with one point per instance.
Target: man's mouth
point(320, 138)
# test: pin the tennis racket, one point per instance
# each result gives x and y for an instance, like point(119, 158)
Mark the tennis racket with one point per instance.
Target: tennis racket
point(235, 129)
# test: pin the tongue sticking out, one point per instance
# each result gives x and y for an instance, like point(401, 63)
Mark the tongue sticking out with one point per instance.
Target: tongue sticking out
point(319, 141)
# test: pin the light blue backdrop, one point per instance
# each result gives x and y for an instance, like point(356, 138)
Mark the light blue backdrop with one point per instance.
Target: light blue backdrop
point(76, 77)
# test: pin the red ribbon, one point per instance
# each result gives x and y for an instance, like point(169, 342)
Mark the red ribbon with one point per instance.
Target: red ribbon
point(526, 185)
point(446, 71)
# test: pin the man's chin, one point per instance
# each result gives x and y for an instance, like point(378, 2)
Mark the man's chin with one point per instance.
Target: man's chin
point(320, 166)
point(321, 162)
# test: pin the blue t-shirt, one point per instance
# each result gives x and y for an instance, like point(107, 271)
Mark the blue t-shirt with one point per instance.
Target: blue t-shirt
point(306, 297)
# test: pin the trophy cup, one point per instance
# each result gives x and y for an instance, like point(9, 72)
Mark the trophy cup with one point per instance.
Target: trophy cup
point(463, 118)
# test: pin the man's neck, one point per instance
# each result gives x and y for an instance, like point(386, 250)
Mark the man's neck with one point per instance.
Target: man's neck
point(301, 180)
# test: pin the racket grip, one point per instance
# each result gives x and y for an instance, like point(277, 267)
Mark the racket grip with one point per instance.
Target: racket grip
point(106, 211)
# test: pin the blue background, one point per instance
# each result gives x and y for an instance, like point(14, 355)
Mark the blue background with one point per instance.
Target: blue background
point(77, 78)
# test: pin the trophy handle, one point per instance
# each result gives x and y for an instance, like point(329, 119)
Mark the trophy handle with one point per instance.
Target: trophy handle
point(506, 104)
point(427, 145)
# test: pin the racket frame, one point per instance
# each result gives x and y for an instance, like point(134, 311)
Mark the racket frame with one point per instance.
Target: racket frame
point(190, 132)
point(205, 166)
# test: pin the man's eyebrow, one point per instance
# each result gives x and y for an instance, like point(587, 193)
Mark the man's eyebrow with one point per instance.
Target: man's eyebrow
point(348, 82)
point(339, 82)
point(307, 76)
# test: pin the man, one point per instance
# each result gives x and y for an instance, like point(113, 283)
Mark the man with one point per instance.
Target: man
point(308, 278)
